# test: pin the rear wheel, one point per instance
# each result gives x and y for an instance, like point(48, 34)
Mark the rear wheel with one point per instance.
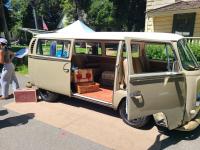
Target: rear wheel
point(137, 123)
point(48, 95)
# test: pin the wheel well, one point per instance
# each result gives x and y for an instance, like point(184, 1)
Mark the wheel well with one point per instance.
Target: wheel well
point(123, 99)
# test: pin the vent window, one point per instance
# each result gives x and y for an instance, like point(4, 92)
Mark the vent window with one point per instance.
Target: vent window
point(32, 45)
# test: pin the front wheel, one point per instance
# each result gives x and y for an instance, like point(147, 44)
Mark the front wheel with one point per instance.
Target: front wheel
point(137, 123)
point(48, 95)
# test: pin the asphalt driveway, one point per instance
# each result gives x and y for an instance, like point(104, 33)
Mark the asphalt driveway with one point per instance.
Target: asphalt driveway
point(75, 124)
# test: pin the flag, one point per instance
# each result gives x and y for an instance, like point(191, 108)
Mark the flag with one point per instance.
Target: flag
point(44, 25)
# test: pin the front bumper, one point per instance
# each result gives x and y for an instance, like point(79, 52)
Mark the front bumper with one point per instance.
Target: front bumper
point(191, 125)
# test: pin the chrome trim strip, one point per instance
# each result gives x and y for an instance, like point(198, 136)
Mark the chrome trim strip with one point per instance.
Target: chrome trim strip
point(48, 58)
point(93, 100)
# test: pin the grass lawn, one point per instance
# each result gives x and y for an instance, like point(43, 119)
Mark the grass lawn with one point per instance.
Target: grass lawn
point(22, 69)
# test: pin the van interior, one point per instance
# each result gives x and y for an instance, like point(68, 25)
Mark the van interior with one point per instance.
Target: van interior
point(101, 56)
point(90, 55)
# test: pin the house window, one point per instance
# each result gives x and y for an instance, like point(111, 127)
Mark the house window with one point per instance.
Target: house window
point(184, 24)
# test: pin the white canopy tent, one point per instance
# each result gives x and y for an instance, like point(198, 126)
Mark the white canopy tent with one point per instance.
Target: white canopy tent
point(76, 27)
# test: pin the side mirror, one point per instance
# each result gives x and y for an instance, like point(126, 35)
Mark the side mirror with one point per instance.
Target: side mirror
point(175, 67)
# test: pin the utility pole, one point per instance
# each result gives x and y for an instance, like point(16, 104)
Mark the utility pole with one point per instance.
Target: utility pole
point(5, 27)
point(34, 13)
point(35, 18)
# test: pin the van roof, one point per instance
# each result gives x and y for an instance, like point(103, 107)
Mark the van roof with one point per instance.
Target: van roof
point(113, 36)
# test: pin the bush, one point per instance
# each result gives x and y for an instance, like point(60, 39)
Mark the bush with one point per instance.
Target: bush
point(196, 49)
point(23, 69)
point(157, 52)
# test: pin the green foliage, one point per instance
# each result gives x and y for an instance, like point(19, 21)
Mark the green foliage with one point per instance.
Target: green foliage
point(115, 15)
point(101, 14)
point(51, 10)
point(195, 47)
point(22, 69)
point(156, 52)
point(22, 15)
point(129, 14)
point(69, 9)
point(17, 15)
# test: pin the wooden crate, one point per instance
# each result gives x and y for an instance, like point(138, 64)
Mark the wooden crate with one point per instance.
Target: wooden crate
point(25, 95)
point(86, 87)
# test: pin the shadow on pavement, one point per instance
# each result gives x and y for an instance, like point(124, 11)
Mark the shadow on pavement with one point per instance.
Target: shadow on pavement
point(3, 112)
point(89, 105)
point(98, 108)
point(174, 137)
point(17, 120)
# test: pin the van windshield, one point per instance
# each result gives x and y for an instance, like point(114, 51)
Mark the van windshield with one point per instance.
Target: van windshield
point(188, 60)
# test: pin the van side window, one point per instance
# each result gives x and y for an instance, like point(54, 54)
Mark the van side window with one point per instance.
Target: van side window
point(160, 56)
point(111, 49)
point(54, 48)
point(88, 47)
point(135, 50)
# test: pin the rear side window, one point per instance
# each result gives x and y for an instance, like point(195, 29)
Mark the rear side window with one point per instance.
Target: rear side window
point(54, 48)
point(88, 47)
point(111, 49)
point(135, 50)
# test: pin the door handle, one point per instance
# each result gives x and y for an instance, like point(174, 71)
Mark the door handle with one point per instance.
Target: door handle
point(137, 95)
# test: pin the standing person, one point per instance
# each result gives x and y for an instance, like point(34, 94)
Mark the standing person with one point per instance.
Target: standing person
point(8, 71)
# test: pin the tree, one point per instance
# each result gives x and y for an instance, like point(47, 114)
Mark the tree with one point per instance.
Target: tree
point(4, 8)
point(101, 15)
point(130, 14)
point(69, 9)
point(20, 10)
point(51, 10)
point(22, 14)
point(115, 15)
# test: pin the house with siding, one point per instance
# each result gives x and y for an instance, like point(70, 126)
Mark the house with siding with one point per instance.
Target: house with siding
point(173, 16)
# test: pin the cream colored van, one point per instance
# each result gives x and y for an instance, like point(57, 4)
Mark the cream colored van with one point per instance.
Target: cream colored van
point(139, 74)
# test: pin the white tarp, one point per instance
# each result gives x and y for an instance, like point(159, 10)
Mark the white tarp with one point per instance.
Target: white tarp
point(76, 27)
